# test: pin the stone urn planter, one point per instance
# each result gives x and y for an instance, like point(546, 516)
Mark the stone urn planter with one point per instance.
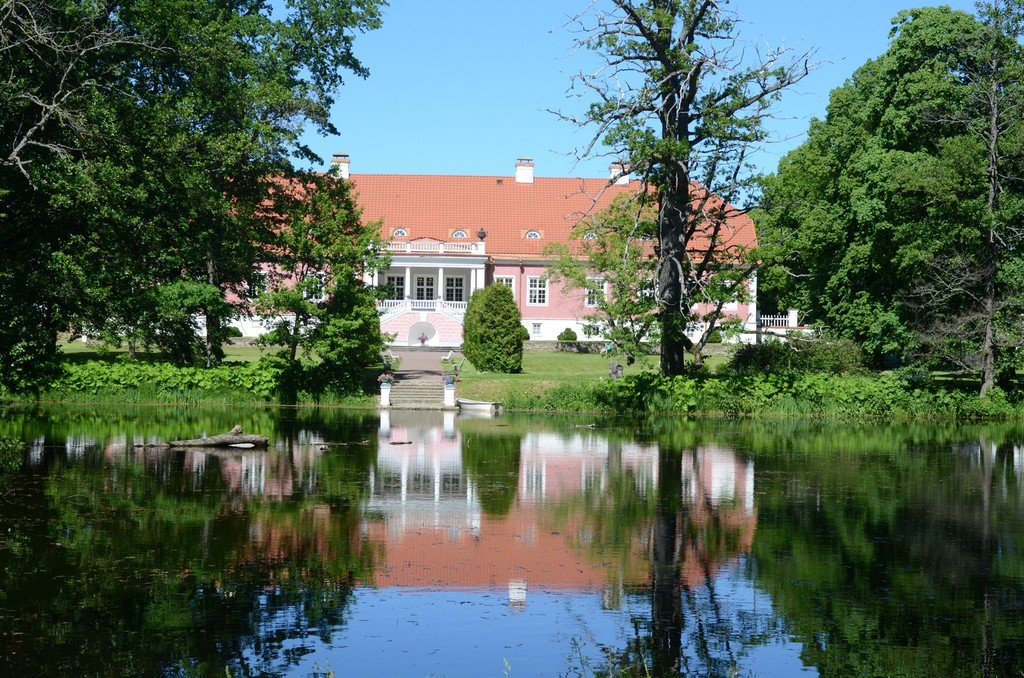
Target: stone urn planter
point(385, 395)
point(449, 395)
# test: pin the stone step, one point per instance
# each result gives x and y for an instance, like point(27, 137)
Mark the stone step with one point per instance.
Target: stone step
point(426, 392)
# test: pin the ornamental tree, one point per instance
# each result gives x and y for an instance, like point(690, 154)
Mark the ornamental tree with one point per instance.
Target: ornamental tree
point(491, 332)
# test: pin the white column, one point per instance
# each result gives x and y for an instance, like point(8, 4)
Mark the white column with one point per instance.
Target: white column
point(408, 283)
point(440, 282)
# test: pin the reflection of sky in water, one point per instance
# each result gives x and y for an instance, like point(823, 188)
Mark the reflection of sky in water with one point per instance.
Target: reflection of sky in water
point(423, 632)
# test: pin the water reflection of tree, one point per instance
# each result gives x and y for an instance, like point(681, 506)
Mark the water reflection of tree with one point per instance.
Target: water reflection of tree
point(139, 568)
point(682, 538)
point(492, 463)
point(908, 555)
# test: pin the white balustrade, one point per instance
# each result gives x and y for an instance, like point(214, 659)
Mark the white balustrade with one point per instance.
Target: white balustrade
point(774, 321)
point(434, 247)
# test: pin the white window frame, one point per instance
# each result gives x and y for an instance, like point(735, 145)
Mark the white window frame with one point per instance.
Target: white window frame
point(454, 286)
point(533, 235)
point(397, 285)
point(536, 331)
point(592, 298)
point(400, 233)
point(508, 281)
point(318, 292)
point(459, 234)
point(425, 290)
point(536, 291)
point(257, 284)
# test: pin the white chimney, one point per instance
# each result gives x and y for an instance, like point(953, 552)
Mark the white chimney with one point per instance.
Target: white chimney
point(619, 172)
point(524, 170)
point(339, 165)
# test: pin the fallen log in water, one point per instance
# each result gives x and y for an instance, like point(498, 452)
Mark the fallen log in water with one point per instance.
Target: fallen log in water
point(234, 437)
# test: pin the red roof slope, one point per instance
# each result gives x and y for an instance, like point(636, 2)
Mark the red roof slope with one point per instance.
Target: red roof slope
point(433, 206)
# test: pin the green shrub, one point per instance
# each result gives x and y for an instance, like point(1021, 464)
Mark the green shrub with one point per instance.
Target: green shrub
point(830, 356)
point(566, 335)
point(768, 356)
point(833, 356)
point(232, 332)
point(492, 331)
point(524, 333)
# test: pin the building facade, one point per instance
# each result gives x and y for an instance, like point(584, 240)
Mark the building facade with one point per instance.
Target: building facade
point(451, 235)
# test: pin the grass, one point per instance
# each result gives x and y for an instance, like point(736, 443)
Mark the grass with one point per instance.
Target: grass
point(76, 350)
point(542, 372)
point(546, 370)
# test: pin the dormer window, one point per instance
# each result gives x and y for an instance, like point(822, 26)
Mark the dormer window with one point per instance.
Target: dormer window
point(400, 233)
point(459, 234)
point(590, 236)
point(533, 235)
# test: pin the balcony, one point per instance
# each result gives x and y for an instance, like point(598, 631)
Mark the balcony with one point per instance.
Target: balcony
point(435, 247)
point(390, 308)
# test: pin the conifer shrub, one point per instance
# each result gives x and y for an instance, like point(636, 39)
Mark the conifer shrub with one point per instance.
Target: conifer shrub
point(567, 335)
point(492, 337)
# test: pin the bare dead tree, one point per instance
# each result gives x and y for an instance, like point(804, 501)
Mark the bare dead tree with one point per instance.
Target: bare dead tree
point(683, 102)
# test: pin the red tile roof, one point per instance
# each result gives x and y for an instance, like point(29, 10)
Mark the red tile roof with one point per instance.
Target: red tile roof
point(433, 206)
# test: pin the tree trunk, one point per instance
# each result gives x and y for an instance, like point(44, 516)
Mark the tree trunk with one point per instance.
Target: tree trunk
point(233, 437)
point(666, 589)
point(674, 342)
point(211, 329)
point(988, 367)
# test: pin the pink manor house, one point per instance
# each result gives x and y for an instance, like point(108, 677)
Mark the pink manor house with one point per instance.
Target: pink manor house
point(451, 235)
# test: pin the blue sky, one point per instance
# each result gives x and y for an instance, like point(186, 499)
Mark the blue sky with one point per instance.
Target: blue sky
point(465, 86)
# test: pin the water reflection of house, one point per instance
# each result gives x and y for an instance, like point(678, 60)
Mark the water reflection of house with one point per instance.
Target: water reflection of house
point(425, 513)
point(246, 473)
point(425, 508)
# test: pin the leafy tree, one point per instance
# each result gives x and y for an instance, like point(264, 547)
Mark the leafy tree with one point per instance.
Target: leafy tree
point(613, 249)
point(895, 223)
point(146, 133)
point(491, 332)
point(320, 310)
point(677, 100)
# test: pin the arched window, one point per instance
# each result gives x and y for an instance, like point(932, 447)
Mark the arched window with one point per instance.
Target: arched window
point(399, 233)
point(459, 234)
point(532, 235)
point(590, 236)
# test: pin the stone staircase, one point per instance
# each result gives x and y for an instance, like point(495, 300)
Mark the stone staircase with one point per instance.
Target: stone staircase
point(419, 394)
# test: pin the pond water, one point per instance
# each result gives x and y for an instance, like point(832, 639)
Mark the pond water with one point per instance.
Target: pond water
point(426, 544)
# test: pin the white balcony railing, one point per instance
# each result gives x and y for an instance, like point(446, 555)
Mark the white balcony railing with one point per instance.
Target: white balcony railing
point(389, 308)
point(434, 247)
point(774, 320)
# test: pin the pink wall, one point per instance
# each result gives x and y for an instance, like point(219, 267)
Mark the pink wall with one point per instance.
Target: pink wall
point(559, 304)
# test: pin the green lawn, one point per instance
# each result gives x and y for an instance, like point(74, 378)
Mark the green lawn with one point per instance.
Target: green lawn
point(544, 370)
point(94, 351)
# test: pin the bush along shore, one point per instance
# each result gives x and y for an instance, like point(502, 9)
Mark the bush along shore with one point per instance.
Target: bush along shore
point(238, 383)
point(787, 392)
